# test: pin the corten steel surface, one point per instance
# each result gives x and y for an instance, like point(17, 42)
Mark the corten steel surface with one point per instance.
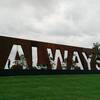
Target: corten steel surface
point(6, 44)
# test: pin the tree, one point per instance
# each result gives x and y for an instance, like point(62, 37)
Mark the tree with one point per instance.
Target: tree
point(74, 63)
point(52, 62)
point(96, 51)
point(20, 63)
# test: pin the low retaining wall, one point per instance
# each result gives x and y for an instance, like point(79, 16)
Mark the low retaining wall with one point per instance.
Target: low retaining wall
point(45, 72)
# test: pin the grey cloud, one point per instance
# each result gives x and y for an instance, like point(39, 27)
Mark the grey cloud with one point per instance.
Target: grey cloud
point(58, 21)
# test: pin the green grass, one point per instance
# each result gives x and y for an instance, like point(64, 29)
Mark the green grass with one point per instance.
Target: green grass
point(54, 87)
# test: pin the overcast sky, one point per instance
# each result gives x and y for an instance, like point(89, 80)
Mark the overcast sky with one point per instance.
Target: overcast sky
point(69, 22)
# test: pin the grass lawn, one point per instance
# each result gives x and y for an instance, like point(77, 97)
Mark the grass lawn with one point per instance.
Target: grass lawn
point(50, 87)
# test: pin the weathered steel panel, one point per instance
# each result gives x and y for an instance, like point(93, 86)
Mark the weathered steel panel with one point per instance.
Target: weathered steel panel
point(6, 44)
